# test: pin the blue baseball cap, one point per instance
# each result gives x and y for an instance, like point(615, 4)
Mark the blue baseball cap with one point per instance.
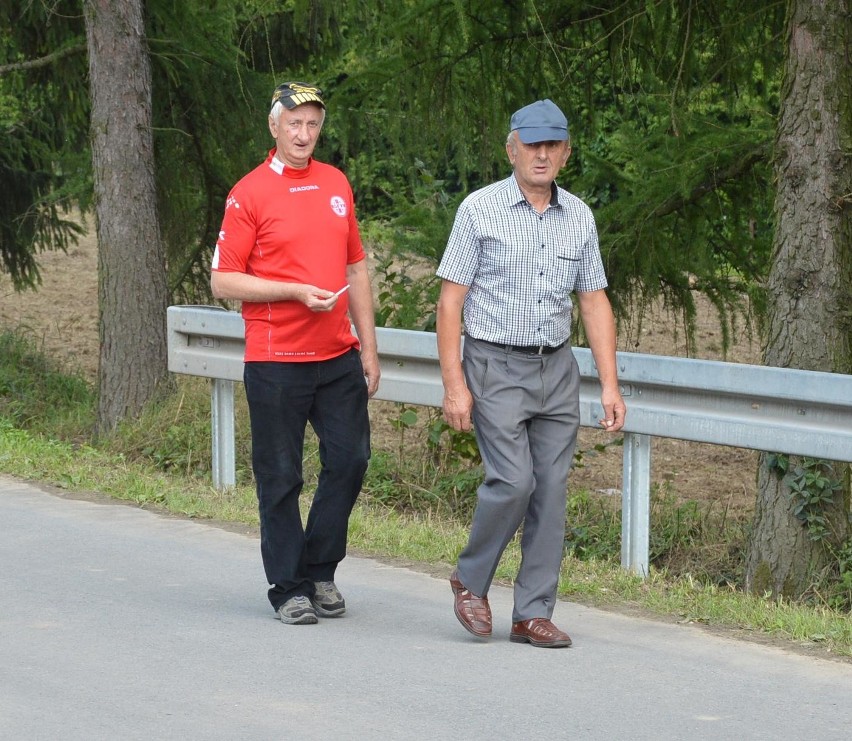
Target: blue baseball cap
point(541, 121)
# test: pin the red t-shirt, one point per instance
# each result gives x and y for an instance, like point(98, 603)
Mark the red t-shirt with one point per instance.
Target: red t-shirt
point(296, 226)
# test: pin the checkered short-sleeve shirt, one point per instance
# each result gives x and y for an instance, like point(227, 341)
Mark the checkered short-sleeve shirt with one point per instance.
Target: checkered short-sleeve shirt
point(521, 266)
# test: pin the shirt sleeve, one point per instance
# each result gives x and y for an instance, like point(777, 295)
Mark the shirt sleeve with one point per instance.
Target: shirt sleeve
point(591, 275)
point(460, 261)
point(237, 236)
point(354, 246)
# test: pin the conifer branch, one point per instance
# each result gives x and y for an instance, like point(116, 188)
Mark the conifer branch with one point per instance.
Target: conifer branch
point(41, 61)
point(716, 179)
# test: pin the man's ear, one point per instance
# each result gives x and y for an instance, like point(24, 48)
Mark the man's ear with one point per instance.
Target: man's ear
point(511, 148)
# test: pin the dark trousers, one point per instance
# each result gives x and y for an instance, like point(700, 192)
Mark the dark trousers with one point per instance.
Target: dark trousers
point(282, 399)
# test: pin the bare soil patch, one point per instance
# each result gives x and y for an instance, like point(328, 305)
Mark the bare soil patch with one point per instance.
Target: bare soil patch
point(62, 314)
point(62, 317)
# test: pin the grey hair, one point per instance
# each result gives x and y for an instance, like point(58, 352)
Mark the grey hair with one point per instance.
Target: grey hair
point(277, 107)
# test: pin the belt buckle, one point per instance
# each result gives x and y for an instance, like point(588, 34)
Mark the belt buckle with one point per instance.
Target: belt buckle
point(541, 349)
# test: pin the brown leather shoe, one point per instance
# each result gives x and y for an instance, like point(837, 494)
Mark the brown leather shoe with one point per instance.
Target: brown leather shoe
point(539, 632)
point(473, 612)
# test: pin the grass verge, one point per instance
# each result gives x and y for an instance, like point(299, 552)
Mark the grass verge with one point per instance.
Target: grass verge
point(162, 461)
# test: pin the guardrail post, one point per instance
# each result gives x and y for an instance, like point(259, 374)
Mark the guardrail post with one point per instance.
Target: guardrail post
point(785, 410)
point(222, 412)
point(636, 503)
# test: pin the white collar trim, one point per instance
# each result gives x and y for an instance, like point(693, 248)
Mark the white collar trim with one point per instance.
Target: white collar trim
point(276, 165)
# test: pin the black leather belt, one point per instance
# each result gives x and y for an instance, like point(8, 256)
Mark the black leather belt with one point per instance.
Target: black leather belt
point(526, 349)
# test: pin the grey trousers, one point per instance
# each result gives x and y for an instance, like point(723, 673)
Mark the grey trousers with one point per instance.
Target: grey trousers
point(526, 414)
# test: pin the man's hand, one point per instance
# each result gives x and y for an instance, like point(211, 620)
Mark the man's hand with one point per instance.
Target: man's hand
point(318, 299)
point(615, 411)
point(372, 371)
point(458, 405)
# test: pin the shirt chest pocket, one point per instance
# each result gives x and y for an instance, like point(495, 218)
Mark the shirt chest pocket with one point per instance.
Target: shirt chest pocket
point(566, 269)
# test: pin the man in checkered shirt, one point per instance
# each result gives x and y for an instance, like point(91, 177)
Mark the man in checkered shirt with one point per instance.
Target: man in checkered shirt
point(518, 249)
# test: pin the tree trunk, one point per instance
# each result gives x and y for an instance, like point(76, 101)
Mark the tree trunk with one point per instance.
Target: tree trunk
point(132, 289)
point(810, 282)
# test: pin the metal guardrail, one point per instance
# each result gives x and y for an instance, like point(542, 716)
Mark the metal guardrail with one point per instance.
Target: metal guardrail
point(747, 406)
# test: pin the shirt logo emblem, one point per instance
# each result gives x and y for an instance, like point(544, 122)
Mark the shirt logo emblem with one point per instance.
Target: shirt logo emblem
point(338, 205)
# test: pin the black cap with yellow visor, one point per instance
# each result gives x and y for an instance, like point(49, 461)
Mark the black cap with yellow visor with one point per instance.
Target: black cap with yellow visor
point(292, 94)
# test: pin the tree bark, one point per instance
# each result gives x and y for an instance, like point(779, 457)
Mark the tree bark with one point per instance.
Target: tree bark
point(132, 290)
point(810, 282)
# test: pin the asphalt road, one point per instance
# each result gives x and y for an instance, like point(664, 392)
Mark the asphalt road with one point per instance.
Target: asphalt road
point(119, 623)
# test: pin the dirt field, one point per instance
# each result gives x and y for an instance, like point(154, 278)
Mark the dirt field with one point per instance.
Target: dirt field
point(63, 316)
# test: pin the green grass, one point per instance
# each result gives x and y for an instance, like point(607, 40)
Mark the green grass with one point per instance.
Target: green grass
point(407, 513)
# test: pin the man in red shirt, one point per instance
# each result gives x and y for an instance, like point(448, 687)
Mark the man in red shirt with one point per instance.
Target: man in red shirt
point(291, 251)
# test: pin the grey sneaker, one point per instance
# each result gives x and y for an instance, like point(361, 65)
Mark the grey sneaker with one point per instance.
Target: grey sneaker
point(327, 600)
point(297, 611)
